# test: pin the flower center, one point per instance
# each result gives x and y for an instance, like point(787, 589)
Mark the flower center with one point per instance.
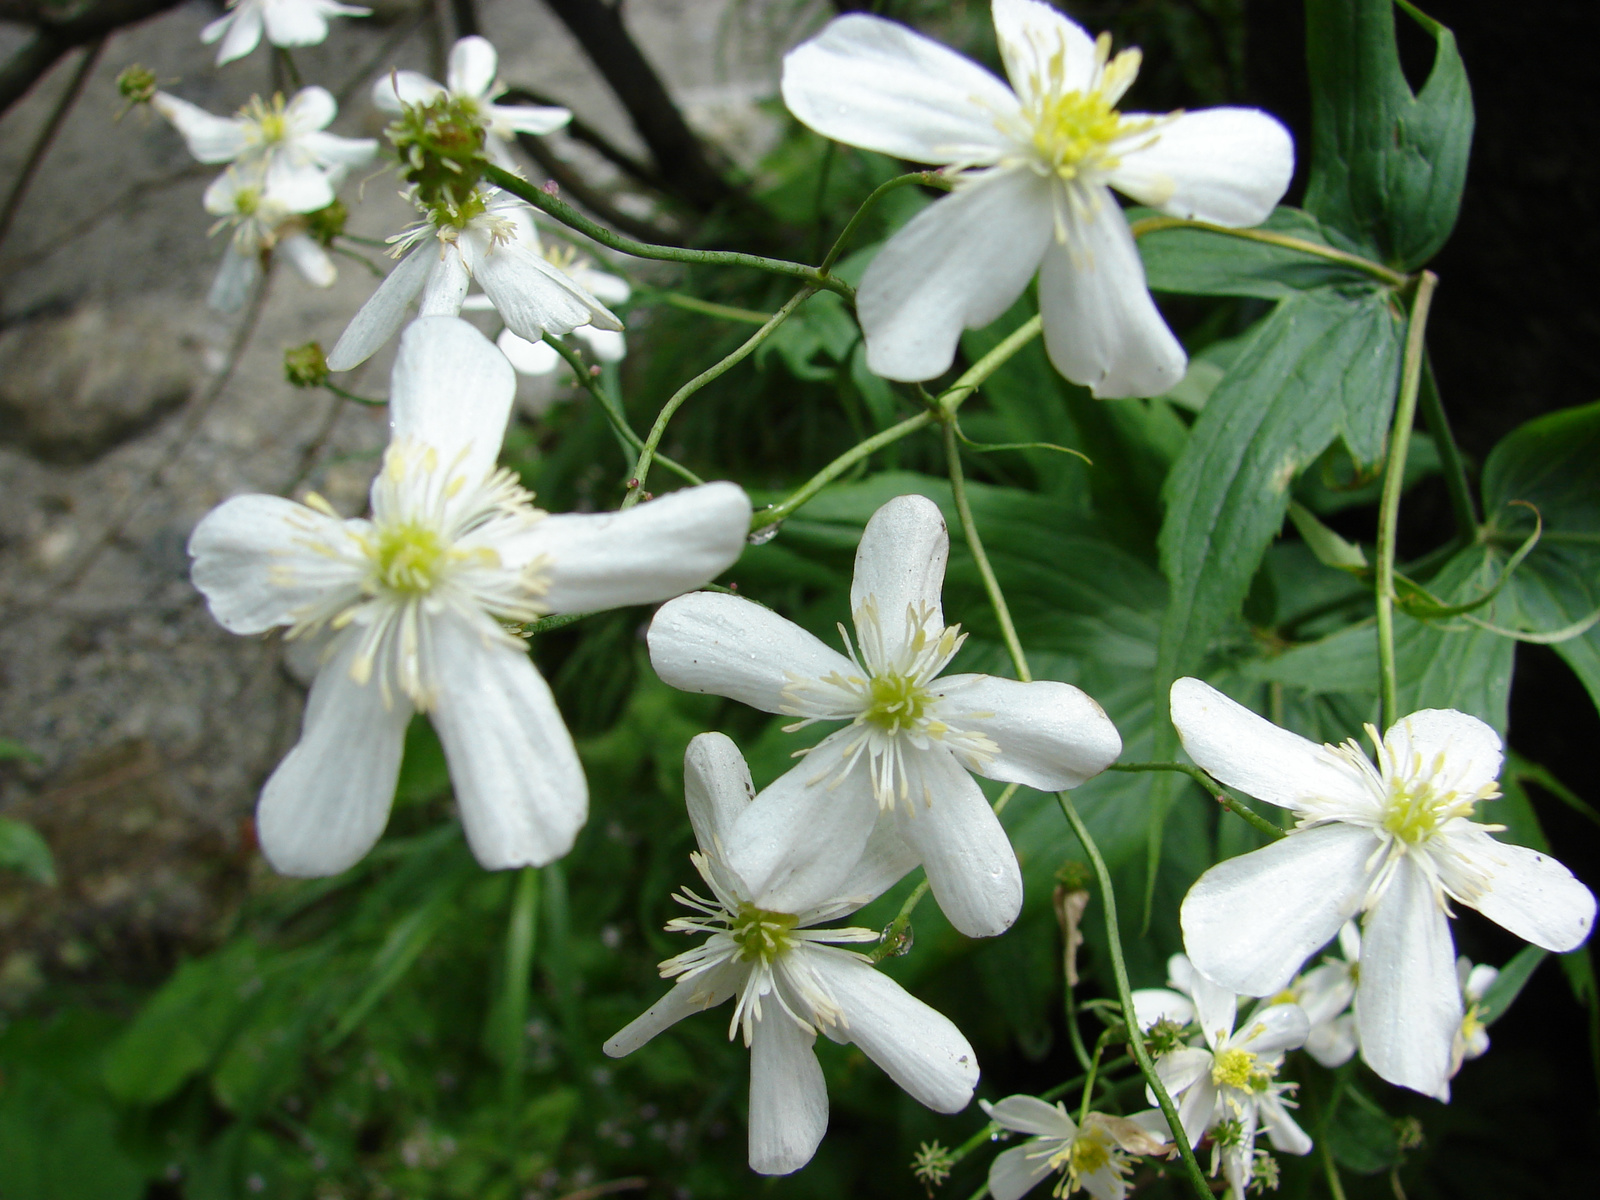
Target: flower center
point(1073, 128)
point(269, 118)
point(1416, 808)
point(409, 558)
point(897, 702)
point(1082, 1156)
point(762, 935)
point(1241, 1069)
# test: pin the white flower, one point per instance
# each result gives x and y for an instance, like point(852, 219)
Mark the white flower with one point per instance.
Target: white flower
point(471, 80)
point(903, 759)
point(1324, 994)
point(1092, 1157)
point(1033, 164)
point(492, 241)
point(539, 357)
point(301, 163)
point(1228, 1084)
point(789, 983)
point(261, 225)
point(287, 23)
point(1472, 1037)
point(412, 602)
point(1394, 842)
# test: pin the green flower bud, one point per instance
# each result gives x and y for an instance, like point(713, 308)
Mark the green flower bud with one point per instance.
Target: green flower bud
point(440, 146)
point(137, 84)
point(305, 366)
point(327, 223)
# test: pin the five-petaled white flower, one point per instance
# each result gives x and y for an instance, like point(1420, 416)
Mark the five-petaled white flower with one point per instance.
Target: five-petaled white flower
point(1092, 1156)
point(789, 983)
point(491, 241)
point(301, 164)
point(1472, 1036)
point(1395, 842)
point(412, 601)
point(1032, 165)
point(1227, 1084)
point(286, 23)
point(540, 358)
point(261, 226)
point(471, 81)
point(903, 759)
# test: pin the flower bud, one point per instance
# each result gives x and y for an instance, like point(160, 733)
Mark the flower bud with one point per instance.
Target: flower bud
point(305, 366)
point(440, 146)
point(137, 84)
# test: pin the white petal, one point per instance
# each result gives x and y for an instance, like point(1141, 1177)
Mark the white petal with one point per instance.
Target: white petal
point(1029, 1114)
point(688, 997)
point(728, 646)
point(1249, 752)
point(1282, 1131)
point(1152, 1004)
point(296, 183)
point(1228, 166)
point(1333, 1043)
point(472, 66)
point(878, 85)
point(328, 801)
point(799, 840)
point(916, 1046)
point(210, 139)
point(237, 277)
point(516, 775)
point(788, 1099)
point(1016, 1172)
point(970, 863)
point(640, 555)
point(886, 860)
point(900, 564)
point(397, 88)
point(529, 358)
point(332, 151)
point(716, 788)
point(1273, 1029)
point(607, 345)
point(613, 289)
point(1051, 735)
point(1460, 752)
point(453, 390)
point(294, 24)
point(445, 292)
point(534, 298)
point(1031, 35)
point(259, 559)
point(1325, 991)
point(958, 264)
point(527, 118)
point(1249, 922)
point(310, 259)
point(1215, 1007)
point(1101, 328)
point(385, 310)
point(1408, 1004)
point(214, 30)
point(1528, 893)
point(312, 108)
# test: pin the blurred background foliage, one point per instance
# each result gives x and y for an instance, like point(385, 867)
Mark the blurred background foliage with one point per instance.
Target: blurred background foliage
point(419, 1028)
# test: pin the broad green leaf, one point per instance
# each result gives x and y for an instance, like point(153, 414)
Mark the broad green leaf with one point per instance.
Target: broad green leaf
point(1201, 262)
point(56, 1144)
point(1361, 1136)
point(1331, 549)
point(184, 1026)
point(1387, 165)
point(22, 849)
point(1550, 464)
point(1509, 983)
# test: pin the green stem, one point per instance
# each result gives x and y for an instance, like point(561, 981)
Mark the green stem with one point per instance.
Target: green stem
point(647, 452)
point(557, 621)
point(785, 509)
point(1335, 1185)
point(1088, 1084)
point(969, 527)
point(1237, 807)
point(1450, 460)
point(286, 63)
point(352, 397)
point(1405, 415)
point(1377, 270)
point(571, 217)
point(953, 396)
point(889, 944)
point(727, 312)
point(926, 178)
point(1119, 968)
point(513, 1013)
point(613, 411)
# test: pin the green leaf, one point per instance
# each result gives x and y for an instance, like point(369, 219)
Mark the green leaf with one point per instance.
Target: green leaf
point(22, 849)
point(1200, 262)
point(1509, 983)
point(184, 1026)
point(10, 749)
point(56, 1145)
point(1331, 549)
point(1549, 463)
point(1387, 166)
point(1361, 1136)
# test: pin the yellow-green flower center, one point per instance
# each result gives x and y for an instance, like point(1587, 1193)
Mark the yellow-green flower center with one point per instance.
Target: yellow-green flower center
point(269, 118)
point(408, 558)
point(1241, 1069)
point(1072, 129)
point(246, 200)
point(1416, 809)
point(1082, 1156)
point(762, 935)
point(898, 702)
